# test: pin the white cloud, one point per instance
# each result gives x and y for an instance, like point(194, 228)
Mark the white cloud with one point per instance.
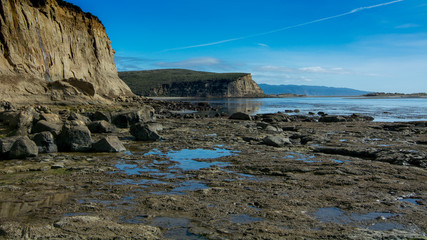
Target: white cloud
point(301, 70)
point(263, 45)
point(192, 63)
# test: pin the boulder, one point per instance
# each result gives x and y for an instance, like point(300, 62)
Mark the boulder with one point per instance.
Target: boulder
point(108, 144)
point(98, 116)
point(144, 132)
point(23, 121)
point(74, 139)
point(277, 141)
point(23, 147)
point(327, 118)
point(273, 118)
point(8, 117)
point(45, 126)
point(6, 145)
point(45, 142)
point(101, 127)
point(127, 118)
point(240, 116)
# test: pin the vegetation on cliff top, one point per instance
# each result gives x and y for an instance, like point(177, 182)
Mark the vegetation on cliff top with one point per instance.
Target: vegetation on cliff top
point(142, 82)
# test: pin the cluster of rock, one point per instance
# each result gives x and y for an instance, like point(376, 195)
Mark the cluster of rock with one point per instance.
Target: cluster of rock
point(38, 130)
point(282, 117)
point(278, 139)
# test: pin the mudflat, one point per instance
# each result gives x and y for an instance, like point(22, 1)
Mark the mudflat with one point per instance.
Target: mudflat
point(218, 178)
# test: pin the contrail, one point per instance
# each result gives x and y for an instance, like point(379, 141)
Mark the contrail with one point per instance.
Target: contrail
point(285, 28)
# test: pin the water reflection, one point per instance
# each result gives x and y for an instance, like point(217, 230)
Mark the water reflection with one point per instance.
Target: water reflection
point(10, 209)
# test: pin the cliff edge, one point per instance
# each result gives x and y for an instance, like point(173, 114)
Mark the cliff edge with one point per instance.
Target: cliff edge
point(53, 50)
point(188, 83)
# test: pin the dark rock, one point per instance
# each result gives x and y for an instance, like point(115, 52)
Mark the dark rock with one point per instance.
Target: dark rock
point(6, 106)
point(327, 118)
point(6, 145)
point(273, 118)
point(101, 126)
point(74, 139)
point(9, 117)
point(128, 118)
point(45, 142)
point(144, 132)
point(321, 113)
point(98, 116)
point(22, 148)
point(45, 126)
point(277, 141)
point(240, 116)
point(108, 144)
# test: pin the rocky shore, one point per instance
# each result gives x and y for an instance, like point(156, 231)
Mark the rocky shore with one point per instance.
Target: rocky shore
point(146, 169)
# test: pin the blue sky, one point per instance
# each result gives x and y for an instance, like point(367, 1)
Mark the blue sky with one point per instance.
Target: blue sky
point(370, 45)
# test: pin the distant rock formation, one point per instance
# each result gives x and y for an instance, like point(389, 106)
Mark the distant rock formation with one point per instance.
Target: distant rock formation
point(241, 87)
point(42, 41)
point(187, 83)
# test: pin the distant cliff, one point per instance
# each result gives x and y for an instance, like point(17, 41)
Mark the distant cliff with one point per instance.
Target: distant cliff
point(187, 83)
point(43, 41)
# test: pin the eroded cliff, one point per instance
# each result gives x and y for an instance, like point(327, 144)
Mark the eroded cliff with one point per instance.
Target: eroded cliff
point(43, 41)
point(187, 83)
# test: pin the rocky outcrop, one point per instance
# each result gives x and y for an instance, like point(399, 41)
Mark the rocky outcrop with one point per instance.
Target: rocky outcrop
point(241, 87)
point(43, 41)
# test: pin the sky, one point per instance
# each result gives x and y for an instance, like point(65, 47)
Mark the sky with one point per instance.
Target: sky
point(372, 45)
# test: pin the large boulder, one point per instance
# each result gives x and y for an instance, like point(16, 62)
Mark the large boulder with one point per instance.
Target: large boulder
point(277, 141)
point(45, 142)
point(125, 119)
point(23, 121)
point(6, 145)
point(45, 126)
point(23, 147)
point(74, 138)
point(240, 116)
point(109, 144)
point(101, 127)
point(144, 132)
point(328, 118)
point(98, 116)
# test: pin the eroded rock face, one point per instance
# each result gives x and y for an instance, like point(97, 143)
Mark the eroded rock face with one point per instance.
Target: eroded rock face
point(46, 41)
point(242, 87)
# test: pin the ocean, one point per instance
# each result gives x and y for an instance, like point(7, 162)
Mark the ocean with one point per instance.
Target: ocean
point(382, 109)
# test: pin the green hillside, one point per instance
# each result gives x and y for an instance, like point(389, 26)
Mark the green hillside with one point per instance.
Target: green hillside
point(142, 82)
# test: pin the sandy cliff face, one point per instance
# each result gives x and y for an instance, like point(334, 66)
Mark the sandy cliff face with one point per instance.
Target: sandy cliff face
point(48, 40)
point(242, 87)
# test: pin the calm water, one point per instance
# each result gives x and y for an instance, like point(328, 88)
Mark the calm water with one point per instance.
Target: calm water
point(388, 110)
